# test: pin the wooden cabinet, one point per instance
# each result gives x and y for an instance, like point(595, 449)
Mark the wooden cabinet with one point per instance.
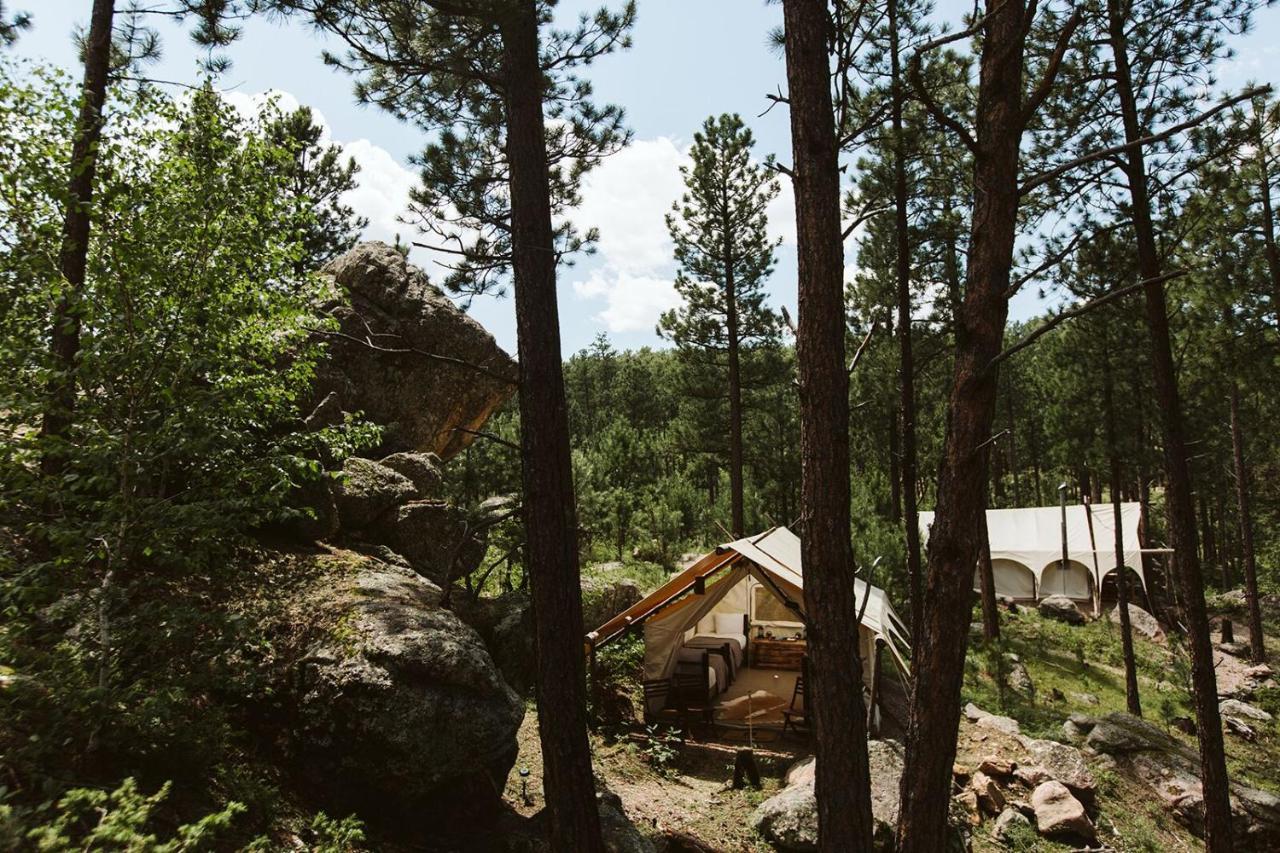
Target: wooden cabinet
point(777, 654)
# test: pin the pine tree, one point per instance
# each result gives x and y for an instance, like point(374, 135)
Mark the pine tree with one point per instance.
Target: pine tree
point(842, 781)
point(483, 78)
point(725, 255)
point(11, 26)
point(317, 178)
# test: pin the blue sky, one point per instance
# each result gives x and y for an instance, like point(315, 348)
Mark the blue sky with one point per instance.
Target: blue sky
point(691, 59)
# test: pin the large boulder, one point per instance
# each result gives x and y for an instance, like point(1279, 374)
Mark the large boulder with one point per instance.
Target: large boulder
point(367, 489)
point(406, 357)
point(1058, 813)
point(1061, 608)
point(602, 599)
point(421, 469)
point(400, 712)
point(1141, 621)
point(789, 819)
point(505, 624)
point(439, 540)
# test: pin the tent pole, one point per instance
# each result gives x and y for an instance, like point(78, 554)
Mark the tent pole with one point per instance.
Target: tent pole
point(875, 687)
point(596, 692)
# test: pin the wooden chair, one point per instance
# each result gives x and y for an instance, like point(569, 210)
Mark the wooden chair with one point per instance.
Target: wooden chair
point(795, 717)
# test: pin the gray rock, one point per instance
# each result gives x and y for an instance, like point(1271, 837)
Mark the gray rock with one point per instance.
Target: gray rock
point(1017, 678)
point(1061, 608)
point(1059, 813)
point(1118, 733)
point(995, 765)
point(1086, 699)
point(1141, 621)
point(990, 797)
point(603, 599)
point(1007, 824)
point(401, 710)
point(366, 490)
point(789, 819)
point(1008, 725)
point(1170, 769)
point(432, 369)
point(1243, 710)
point(1063, 763)
point(421, 469)
point(439, 540)
point(1236, 650)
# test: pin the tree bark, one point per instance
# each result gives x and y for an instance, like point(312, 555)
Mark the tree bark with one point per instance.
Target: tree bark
point(1257, 649)
point(73, 257)
point(955, 539)
point(1268, 216)
point(1132, 699)
point(1179, 495)
point(906, 366)
point(990, 607)
point(550, 518)
point(842, 783)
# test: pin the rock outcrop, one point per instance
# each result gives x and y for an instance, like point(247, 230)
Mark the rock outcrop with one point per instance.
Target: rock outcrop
point(400, 709)
point(789, 819)
point(401, 341)
point(1170, 769)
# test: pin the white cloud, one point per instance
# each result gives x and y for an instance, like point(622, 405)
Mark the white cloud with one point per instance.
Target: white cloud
point(633, 302)
point(628, 198)
point(382, 191)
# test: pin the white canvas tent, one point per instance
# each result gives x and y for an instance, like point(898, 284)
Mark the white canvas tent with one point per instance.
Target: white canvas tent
point(1026, 549)
point(760, 576)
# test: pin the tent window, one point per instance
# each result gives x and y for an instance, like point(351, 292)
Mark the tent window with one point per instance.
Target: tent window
point(770, 608)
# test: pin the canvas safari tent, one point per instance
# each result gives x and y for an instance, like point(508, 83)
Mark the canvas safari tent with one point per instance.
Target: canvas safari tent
point(1026, 550)
point(738, 590)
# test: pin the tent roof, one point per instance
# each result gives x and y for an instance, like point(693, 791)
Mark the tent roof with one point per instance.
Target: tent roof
point(776, 556)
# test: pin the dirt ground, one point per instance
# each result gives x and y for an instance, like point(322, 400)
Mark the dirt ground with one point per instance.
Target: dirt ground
point(692, 795)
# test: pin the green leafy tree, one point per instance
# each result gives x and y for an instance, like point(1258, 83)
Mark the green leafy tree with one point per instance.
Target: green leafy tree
point(725, 255)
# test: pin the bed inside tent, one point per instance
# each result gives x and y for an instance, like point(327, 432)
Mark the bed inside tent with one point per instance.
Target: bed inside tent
point(729, 630)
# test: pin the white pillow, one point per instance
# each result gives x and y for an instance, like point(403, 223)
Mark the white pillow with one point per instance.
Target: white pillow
point(706, 625)
point(728, 623)
point(688, 635)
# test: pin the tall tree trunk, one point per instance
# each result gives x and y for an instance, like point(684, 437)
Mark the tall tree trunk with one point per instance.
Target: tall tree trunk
point(1268, 215)
point(550, 518)
point(1013, 449)
point(906, 358)
point(895, 464)
point(1256, 648)
point(1213, 766)
point(1132, 699)
point(955, 539)
point(735, 405)
point(73, 257)
point(842, 783)
point(987, 579)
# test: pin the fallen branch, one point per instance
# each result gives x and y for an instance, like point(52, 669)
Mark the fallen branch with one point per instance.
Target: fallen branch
point(494, 438)
point(447, 359)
